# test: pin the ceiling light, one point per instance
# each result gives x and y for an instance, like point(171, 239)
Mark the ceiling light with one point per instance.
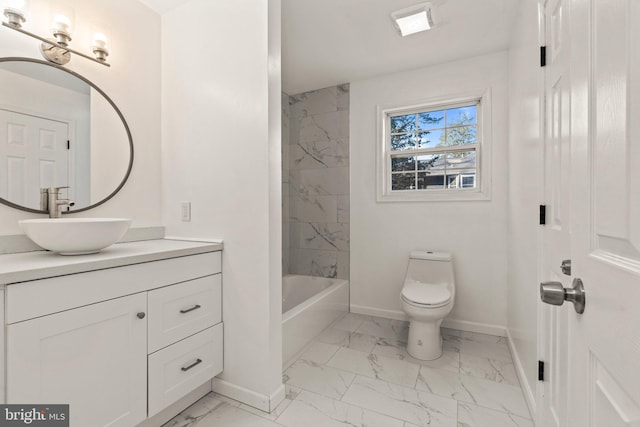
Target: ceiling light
point(413, 19)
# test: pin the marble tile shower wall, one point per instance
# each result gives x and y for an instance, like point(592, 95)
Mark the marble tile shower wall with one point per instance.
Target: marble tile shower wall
point(318, 183)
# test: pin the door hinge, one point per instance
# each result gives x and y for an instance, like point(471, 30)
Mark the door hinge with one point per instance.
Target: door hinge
point(543, 214)
point(540, 370)
point(68, 145)
point(543, 56)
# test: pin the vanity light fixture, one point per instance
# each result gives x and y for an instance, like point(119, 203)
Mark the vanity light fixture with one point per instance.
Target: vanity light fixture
point(413, 19)
point(55, 49)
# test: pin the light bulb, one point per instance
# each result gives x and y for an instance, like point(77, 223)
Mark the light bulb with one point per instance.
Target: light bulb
point(100, 40)
point(62, 23)
point(20, 5)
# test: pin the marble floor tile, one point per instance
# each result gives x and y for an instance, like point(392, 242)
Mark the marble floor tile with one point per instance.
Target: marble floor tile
point(501, 371)
point(482, 345)
point(319, 352)
point(352, 340)
point(291, 392)
point(374, 366)
point(385, 328)
point(475, 416)
point(313, 410)
point(407, 404)
point(268, 415)
point(358, 373)
point(318, 378)
point(449, 361)
point(489, 394)
point(196, 412)
point(216, 413)
point(496, 351)
point(350, 322)
point(488, 346)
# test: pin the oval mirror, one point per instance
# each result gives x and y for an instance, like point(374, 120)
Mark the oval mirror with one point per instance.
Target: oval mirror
point(57, 129)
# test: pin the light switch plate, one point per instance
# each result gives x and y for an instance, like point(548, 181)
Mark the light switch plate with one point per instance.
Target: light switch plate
point(185, 208)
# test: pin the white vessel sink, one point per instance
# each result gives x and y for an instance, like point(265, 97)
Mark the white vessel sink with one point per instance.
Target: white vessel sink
point(75, 236)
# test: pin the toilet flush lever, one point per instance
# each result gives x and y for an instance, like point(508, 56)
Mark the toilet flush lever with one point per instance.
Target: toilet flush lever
point(554, 293)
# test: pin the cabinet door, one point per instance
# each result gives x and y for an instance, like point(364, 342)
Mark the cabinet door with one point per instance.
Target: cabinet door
point(92, 358)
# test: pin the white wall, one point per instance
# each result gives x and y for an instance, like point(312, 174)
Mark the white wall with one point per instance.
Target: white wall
point(132, 82)
point(525, 193)
point(383, 234)
point(221, 121)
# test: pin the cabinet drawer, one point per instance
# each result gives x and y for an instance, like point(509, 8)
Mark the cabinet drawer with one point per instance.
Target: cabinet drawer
point(178, 311)
point(182, 367)
point(75, 290)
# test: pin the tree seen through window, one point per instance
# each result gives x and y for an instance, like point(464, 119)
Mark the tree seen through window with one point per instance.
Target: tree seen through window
point(434, 149)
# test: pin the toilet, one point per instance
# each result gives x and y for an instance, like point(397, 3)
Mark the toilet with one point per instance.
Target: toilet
point(427, 297)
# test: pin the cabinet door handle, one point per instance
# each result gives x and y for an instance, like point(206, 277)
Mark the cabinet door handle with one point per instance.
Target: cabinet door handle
point(186, 310)
point(141, 315)
point(186, 368)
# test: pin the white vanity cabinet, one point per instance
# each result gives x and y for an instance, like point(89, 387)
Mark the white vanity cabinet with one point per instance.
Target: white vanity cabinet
point(93, 357)
point(117, 344)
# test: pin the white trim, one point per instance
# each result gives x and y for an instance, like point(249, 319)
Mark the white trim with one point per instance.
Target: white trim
point(461, 325)
point(378, 312)
point(477, 327)
point(249, 397)
point(529, 395)
point(483, 151)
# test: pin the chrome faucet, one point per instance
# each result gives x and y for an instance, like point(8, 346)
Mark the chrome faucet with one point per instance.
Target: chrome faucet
point(50, 202)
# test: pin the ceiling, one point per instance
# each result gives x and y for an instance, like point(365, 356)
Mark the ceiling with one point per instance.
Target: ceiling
point(329, 42)
point(162, 6)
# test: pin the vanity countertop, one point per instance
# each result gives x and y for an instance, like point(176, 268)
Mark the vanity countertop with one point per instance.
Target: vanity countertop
point(26, 266)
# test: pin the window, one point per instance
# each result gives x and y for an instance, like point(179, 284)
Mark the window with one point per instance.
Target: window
point(432, 151)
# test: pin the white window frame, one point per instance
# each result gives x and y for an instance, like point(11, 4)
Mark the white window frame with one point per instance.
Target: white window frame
point(482, 147)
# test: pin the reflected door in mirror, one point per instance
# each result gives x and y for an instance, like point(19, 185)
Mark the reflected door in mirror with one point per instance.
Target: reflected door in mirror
point(33, 154)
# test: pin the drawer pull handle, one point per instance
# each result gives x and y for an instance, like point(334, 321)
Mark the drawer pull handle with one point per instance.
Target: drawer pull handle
point(186, 310)
point(186, 368)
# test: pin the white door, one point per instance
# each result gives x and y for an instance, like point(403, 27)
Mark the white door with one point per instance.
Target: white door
point(594, 375)
point(93, 358)
point(553, 344)
point(604, 372)
point(33, 155)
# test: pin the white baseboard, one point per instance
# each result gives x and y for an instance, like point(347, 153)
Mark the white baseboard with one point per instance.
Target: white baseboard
point(529, 395)
point(477, 327)
point(378, 312)
point(249, 397)
point(462, 325)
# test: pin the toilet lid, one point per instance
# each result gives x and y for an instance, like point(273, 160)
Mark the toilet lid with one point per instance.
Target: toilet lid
point(426, 293)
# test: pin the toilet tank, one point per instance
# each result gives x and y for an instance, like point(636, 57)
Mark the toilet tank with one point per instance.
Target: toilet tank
point(430, 267)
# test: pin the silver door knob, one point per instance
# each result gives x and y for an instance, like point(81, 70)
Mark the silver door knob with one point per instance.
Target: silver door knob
point(554, 293)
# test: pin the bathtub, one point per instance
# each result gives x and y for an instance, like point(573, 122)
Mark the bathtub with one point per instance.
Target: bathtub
point(309, 305)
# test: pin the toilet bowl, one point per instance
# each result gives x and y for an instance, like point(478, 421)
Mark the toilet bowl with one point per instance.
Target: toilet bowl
point(427, 297)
